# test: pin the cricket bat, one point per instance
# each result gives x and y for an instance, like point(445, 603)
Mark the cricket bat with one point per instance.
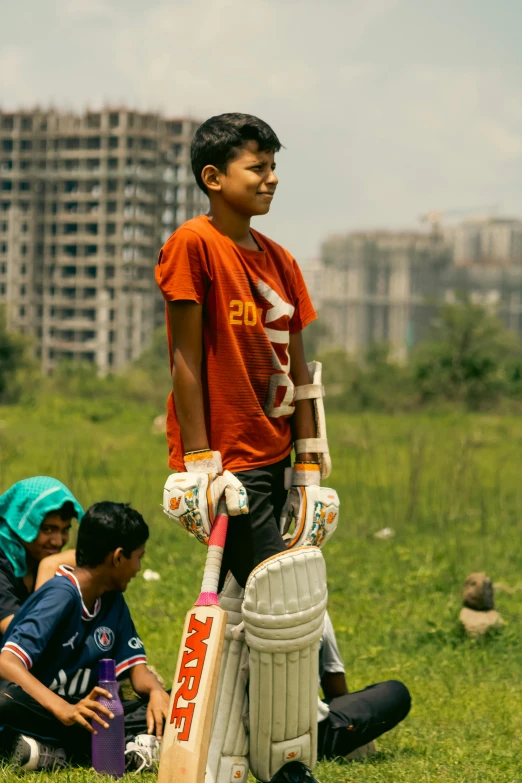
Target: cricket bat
point(186, 736)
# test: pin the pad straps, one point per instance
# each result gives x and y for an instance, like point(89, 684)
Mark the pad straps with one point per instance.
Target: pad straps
point(310, 391)
point(313, 445)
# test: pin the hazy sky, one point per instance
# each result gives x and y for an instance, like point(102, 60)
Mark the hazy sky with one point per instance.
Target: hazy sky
point(387, 108)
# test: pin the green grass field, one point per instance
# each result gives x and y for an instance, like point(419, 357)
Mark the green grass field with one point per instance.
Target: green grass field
point(450, 486)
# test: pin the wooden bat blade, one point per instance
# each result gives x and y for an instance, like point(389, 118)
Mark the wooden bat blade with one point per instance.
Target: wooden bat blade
point(189, 723)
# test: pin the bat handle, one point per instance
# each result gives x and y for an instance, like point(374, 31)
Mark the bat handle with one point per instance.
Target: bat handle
point(218, 534)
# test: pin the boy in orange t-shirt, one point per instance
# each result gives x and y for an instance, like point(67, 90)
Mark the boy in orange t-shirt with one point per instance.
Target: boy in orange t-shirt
point(236, 306)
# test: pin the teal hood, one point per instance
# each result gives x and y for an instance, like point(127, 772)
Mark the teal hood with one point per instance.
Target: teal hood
point(23, 508)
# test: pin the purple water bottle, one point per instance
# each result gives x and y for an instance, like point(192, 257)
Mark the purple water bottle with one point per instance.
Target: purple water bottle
point(108, 745)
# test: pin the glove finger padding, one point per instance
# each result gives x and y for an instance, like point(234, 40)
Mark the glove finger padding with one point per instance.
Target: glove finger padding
point(235, 493)
point(191, 500)
point(313, 511)
point(290, 511)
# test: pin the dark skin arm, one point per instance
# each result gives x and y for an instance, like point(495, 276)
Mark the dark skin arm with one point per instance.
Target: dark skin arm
point(5, 622)
point(186, 328)
point(145, 684)
point(48, 566)
point(13, 670)
point(303, 420)
point(334, 685)
point(46, 570)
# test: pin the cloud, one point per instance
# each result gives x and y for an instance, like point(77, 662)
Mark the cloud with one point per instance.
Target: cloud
point(15, 82)
point(504, 142)
point(198, 55)
point(373, 135)
point(367, 142)
point(86, 8)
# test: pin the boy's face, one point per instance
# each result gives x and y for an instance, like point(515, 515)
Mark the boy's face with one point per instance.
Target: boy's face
point(51, 538)
point(248, 185)
point(128, 567)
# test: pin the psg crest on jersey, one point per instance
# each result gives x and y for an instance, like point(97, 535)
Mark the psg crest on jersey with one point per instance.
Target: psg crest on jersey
point(104, 638)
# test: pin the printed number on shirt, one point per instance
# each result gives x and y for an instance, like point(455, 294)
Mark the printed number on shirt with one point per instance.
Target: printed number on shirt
point(244, 313)
point(247, 314)
point(77, 686)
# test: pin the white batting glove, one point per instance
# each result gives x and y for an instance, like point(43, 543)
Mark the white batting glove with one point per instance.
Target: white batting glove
point(191, 500)
point(311, 511)
point(221, 482)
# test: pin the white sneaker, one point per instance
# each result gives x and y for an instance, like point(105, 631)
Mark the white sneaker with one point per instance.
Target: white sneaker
point(142, 753)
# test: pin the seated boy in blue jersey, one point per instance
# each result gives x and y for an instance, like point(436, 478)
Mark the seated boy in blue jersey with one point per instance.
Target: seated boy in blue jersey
point(50, 654)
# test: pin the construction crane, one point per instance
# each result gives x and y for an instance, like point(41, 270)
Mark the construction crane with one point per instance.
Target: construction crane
point(434, 218)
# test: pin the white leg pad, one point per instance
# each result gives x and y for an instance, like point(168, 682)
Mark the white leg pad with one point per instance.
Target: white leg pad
point(227, 760)
point(283, 611)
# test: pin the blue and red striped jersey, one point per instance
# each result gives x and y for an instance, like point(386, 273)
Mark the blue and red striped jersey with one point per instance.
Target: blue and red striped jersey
point(61, 642)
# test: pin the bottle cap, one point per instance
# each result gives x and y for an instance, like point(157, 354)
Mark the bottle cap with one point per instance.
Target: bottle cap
point(107, 670)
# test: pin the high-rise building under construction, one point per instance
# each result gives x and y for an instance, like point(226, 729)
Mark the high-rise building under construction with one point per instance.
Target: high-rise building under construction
point(85, 203)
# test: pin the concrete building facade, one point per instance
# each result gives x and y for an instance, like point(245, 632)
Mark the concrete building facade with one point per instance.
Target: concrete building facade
point(85, 203)
point(312, 270)
point(497, 288)
point(491, 241)
point(385, 287)
point(380, 287)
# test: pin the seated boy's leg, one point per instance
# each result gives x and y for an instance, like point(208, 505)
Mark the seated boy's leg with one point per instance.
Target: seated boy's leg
point(142, 750)
point(21, 714)
point(357, 718)
point(255, 536)
point(135, 716)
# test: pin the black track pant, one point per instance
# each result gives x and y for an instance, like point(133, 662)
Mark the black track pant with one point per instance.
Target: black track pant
point(253, 537)
point(21, 714)
point(354, 720)
point(362, 716)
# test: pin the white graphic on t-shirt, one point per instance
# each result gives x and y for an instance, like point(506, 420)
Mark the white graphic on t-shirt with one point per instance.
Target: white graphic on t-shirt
point(59, 684)
point(281, 337)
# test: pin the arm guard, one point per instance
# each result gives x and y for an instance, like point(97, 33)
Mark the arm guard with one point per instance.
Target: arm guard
point(319, 445)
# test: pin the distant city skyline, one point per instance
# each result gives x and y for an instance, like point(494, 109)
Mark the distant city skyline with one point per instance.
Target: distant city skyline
point(387, 109)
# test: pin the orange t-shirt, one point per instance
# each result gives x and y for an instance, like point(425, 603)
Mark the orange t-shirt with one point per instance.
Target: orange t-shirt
point(253, 300)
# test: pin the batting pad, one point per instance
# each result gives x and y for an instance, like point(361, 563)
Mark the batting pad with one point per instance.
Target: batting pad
point(227, 760)
point(283, 612)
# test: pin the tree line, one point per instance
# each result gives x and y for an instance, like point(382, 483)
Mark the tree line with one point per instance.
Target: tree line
point(469, 360)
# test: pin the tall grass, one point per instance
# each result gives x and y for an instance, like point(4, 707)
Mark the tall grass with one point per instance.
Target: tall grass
point(447, 485)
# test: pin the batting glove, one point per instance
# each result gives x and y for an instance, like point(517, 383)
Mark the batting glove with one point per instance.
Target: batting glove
point(310, 512)
point(220, 482)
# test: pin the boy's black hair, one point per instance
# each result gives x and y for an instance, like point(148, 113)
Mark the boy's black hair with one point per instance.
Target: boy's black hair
point(105, 527)
point(220, 138)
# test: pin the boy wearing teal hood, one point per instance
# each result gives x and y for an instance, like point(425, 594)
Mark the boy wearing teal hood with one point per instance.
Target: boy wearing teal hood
point(35, 520)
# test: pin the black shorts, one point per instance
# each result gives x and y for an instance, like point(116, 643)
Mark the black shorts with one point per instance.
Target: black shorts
point(21, 714)
point(255, 536)
point(360, 717)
